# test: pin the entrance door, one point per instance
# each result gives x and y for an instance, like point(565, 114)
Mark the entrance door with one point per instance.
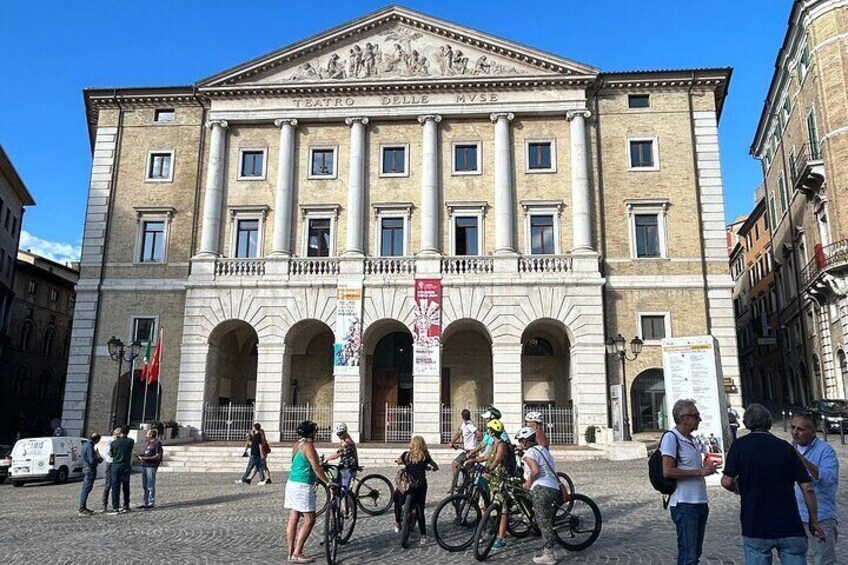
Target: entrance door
point(648, 394)
point(385, 392)
point(650, 405)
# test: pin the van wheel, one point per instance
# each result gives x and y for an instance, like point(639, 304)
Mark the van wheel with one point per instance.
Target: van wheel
point(2, 479)
point(17, 483)
point(62, 477)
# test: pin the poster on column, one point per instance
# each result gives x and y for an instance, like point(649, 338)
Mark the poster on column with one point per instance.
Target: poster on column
point(348, 328)
point(427, 332)
point(692, 370)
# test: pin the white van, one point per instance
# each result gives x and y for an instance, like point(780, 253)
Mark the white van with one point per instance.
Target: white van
point(46, 459)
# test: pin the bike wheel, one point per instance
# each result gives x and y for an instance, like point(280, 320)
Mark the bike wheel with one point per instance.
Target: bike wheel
point(569, 484)
point(348, 521)
point(322, 498)
point(578, 527)
point(487, 531)
point(455, 522)
point(374, 495)
point(458, 481)
point(407, 515)
point(518, 524)
point(331, 536)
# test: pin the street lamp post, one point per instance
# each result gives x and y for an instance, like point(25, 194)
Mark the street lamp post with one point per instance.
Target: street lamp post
point(117, 351)
point(617, 346)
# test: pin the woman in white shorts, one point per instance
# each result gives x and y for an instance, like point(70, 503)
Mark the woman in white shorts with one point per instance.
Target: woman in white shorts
point(300, 491)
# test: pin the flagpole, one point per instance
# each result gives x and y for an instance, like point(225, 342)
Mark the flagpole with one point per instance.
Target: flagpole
point(132, 379)
point(145, 377)
point(159, 372)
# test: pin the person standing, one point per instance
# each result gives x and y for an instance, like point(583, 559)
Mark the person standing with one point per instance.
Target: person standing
point(541, 480)
point(417, 461)
point(121, 450)
point(683, 460)
point(150, 459)
point(733, 420)
point(470, 436)
point(90, 460)
point(763, 470)
point(301, 499)
point(255, 439)
point(820, 461)
point(107, 473)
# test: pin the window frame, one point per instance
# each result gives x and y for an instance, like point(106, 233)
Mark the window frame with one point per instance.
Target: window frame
point(631, 97)
point(649, 206)
point(552, 169)
point(465, 210)
point(319, 212)
point(384, 210)
point(149, 163)
point(240, 213)
point(405, 172)
point(655, 152)
point(479, 146)
point(309, 236)
point(542, 208)
point(263, 175)
point(334, 174)
point(666, 322)
point(155, 214)
point(157, 112)
point(132, 327)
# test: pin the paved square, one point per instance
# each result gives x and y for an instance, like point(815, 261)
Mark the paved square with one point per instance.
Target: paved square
point(208, 519)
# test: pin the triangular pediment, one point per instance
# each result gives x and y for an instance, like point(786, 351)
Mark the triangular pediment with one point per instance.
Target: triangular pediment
point(397, 45)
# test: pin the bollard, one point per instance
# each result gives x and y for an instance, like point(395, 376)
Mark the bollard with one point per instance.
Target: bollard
point(783, 413)
point(841, 431)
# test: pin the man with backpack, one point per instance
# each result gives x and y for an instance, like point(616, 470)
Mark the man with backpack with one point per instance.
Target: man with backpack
point(684, 468)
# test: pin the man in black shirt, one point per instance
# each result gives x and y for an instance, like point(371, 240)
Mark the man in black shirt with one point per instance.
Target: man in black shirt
point(763, 470)
point(255, 439)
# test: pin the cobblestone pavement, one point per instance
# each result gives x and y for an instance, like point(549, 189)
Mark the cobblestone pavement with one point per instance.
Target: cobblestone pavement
point(209, 519)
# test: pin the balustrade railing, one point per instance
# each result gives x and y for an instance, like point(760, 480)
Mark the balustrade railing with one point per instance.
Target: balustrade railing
point(390, 266)
point(467, 265)
point(313, 266)
point(824, 258)
point(239, 267)
point(544, 264)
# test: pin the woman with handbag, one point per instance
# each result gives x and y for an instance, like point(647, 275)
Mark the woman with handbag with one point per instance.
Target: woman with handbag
point(541, 480)
point(413, 479)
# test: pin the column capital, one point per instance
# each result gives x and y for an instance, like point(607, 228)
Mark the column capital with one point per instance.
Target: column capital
point(495, 116)
point(280, 122)
point(220, 123)
point(582, 113)
point(422, 119)
point(362, 119)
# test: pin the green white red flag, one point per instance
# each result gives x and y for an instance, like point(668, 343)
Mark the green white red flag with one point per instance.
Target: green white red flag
point(145, 360)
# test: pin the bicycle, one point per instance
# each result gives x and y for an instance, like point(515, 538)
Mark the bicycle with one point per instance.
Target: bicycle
point(373, 493)
point(410, 513)
point(575, 528)
point(340, 519)
point(456, 517)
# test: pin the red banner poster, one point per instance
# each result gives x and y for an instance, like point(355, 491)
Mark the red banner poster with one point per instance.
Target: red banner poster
point(427, 330)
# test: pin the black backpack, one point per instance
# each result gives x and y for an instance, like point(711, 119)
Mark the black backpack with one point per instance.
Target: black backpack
point(660, 483)
point(509, 463)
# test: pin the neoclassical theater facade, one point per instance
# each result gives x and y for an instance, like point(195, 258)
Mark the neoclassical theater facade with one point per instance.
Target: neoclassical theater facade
point(400, 213)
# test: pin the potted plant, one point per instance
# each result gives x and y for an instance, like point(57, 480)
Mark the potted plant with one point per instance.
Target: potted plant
point(172, 429)
point(591, 434)
point(156, 425)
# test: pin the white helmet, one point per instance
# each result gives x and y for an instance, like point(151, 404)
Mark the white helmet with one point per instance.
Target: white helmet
point(535, 417)
point(526, 433)
point(340, 428)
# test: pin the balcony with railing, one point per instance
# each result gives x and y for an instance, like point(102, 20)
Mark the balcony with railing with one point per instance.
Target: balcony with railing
point(314, 267)
point(532, 264)
point(390, 266)
point(808, 170)
point(468, 265)
point(238, 267)
point(826, 258)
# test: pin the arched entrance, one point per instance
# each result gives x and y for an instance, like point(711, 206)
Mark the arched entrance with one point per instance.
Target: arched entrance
point(648, 400)
point(309, 347)
point(231, 364)
point(466, 372)
point(388, 367)
point(545, 378)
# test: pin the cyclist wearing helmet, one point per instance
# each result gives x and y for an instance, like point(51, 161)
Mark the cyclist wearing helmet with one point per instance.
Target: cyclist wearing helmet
point(496, 465)
point(534, 420)
point(541, 480)
point(484, 449)
point(305, 471)
point(347, 455)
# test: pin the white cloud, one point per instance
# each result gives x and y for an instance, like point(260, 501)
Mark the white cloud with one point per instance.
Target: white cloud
point(58, 251)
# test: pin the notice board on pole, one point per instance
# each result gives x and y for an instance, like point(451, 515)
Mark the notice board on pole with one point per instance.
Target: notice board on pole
point(692, 370)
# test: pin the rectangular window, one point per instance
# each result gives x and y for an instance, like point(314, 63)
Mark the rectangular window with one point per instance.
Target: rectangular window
point(319, 238)
point(391, 237)
point(393, 160)
point(642, 154)
point(653, 327)
point(803, 63)
point(813, 135)
point(32, 288)
point(14, 225)
point(159, 167)
point(772, 210)
point(164, 115)
point(539, 156)
point(466, 235)
point(252, 164)
point(153, 242)
point(647, 235)
point(781, 189)
point(756, 232)
point(54, 295)
point(638, 101)
point(7, 223)
point(143, 329)
point(465, 158)
point(793, 167)
point(542, 235)
point(323, 163)
point(9, 265)
point(247, 238)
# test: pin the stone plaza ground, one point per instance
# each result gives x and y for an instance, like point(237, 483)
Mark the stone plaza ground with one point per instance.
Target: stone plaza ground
point(208, 519)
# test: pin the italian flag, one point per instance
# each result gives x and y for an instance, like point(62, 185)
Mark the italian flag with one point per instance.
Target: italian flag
point(150, 365)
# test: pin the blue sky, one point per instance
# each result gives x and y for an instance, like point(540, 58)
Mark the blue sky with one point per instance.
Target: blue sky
point(50, 50)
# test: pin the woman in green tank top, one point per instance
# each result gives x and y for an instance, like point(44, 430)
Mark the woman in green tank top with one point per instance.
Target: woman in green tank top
point(305, 471)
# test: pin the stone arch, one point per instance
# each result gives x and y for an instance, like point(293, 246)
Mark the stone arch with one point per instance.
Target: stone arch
point(466, 380)
point(545, 363)
point(648, 400)
point(387, 371)
point(48, 341)
point(231, 363)
point(309, 363)
point(26, 335)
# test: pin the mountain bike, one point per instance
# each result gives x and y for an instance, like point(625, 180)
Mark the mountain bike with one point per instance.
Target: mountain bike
point(373, 493)
point(456, 517)
point(340, 518)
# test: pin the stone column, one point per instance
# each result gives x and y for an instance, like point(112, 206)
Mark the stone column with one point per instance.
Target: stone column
point(348, 394)
point(269, 387)
point(285, 188)
point(430, 235)
point(356, 188)
point(507, 390)
point(210, 235)
point(581, 198)
point(504, 205)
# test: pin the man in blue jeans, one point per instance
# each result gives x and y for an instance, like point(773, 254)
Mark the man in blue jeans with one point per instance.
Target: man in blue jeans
point(683, 460)
point(255, 440)
point(90, 460)
point(763, 470)
point(121, 450)
point(150, 459)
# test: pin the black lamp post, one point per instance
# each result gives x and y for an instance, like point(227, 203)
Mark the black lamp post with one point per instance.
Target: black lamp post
point(618, 346)
point(118, 352)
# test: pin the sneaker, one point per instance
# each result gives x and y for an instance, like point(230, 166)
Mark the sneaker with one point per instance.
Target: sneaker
point(397, 528)
point(423, 540)
point(142, 507)
point(267, 481)
point(241, 482)
point(547, 557)
point(123, 510)
point(112, 512)
point(262, 483)
point(85, 512)
point(498, 545)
